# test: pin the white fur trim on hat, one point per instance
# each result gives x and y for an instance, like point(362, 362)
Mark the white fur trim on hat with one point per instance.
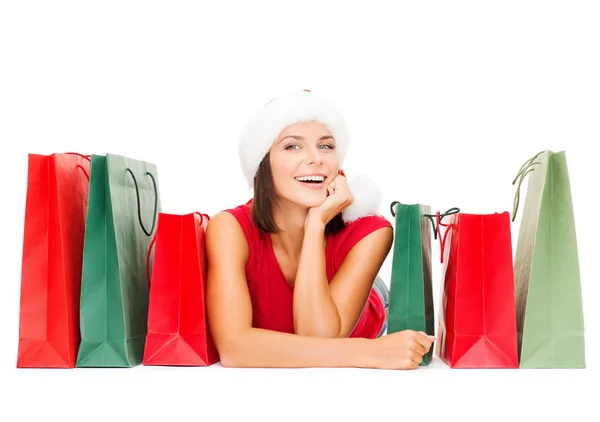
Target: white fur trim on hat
point(367, 198)
point(264, 128)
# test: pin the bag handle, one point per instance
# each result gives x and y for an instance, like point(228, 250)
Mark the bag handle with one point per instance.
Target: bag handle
point(436, 227)
point(87, 176)
point(87, 157)
point(202, 216)
point(392, 207)
point(137, 193)
point(148, 259)
point(526, 168)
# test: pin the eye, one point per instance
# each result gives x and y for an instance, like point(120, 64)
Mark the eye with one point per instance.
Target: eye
point(293, 146)
point(327, 146)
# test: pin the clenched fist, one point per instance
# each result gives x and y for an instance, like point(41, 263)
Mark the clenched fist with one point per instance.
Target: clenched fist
point(401, 350)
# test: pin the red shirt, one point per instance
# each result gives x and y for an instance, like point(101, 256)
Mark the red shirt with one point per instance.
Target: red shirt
point(272, 295)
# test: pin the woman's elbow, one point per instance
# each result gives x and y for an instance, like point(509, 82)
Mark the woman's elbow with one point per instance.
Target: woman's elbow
point(228, 360)
point(232, 353)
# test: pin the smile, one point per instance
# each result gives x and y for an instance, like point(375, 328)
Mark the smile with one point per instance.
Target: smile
point(311, 182)
point(310, 179)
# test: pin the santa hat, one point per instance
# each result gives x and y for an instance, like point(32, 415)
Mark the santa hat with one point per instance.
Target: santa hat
point(304, 106)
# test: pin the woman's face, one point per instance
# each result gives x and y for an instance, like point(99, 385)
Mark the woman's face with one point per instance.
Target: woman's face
point(303, 162)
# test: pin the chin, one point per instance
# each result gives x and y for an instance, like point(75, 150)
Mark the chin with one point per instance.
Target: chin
point(314, 200)
point(308, 199)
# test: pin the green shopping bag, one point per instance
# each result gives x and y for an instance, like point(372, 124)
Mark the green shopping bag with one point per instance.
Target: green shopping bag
point(123, 203)
point(411, 295)
point(547, 278)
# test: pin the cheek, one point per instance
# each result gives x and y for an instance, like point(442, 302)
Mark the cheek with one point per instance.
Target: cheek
point(332, 161)
point(283, 171)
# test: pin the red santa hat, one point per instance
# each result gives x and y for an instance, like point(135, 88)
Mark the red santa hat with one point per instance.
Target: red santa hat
point(304, 106)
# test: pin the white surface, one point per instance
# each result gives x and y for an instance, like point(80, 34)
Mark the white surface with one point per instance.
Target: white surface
point(445, 100)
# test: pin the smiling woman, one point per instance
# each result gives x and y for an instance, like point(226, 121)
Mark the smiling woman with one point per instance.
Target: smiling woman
point(292, 273)
point(279, 181)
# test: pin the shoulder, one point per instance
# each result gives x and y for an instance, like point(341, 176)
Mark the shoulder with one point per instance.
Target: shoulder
point(230, 222)
point(239, 216)
point(357, 230)
point(363, 226)
point(231, 232)
point(369, 220)
point(223, 228)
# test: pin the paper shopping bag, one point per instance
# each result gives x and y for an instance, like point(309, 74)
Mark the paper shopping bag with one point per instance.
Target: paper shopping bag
point(411, 296)
point(124, 201)
point(56, 203)
point(178, 331)
point(547, 278)
point(477, 319)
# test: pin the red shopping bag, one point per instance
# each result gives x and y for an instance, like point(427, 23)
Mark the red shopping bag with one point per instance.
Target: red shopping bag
point(178, 332)
point(477, 318)
point(55, 212)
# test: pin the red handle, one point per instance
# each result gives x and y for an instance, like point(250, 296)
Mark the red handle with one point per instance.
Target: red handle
point(87, 176)
point(202, 216)
point(87, 157)
point(436, 226)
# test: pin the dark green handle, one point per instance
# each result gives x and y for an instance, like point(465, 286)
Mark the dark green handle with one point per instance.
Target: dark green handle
point(392, 207)
point(137, 193)
point(453, 210)
point(437, 230)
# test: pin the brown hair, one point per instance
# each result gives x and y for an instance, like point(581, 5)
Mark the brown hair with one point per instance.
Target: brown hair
point(265, 198)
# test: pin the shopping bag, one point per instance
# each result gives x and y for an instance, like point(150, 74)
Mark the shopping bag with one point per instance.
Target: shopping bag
point(411, 295)
point(124, 201)
point(547, 278)
point(56, 203)
point(477, 320)
point(178, 331)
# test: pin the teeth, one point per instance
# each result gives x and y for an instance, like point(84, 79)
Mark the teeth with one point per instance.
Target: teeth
point(310, 179)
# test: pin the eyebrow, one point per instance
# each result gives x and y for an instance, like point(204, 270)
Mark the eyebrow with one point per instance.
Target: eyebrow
point(301, 138)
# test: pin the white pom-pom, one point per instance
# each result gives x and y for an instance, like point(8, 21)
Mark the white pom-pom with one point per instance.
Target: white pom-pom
point(367, 198)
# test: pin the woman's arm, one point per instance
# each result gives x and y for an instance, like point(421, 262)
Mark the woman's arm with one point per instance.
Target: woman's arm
point(230, 315)
point(240, 345)
point(332, 309)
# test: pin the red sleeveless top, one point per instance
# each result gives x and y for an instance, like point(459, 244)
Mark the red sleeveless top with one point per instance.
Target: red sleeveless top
point(272, 295)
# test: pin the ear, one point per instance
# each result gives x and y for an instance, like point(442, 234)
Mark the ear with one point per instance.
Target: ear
point(367, 198)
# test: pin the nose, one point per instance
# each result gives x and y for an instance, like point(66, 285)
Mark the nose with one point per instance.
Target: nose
point(313, 156)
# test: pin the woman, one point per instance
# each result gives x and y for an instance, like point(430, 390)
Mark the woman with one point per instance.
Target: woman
point(291, 272)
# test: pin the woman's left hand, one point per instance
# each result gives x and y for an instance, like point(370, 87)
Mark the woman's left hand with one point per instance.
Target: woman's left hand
point(338, 198)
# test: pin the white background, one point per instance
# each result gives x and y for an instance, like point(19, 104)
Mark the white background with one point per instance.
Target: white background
point(445, 101)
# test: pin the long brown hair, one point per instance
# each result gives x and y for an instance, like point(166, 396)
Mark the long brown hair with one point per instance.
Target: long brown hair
point(265, 198)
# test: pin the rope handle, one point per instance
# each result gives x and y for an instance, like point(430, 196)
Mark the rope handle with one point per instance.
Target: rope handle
point(87, 157)
point(87, 176)
point(525, 169)
point(435, 224)
point(137, 193)
point(202, 217)
point(148, 259)
point(392, 207)
point(436, 227)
